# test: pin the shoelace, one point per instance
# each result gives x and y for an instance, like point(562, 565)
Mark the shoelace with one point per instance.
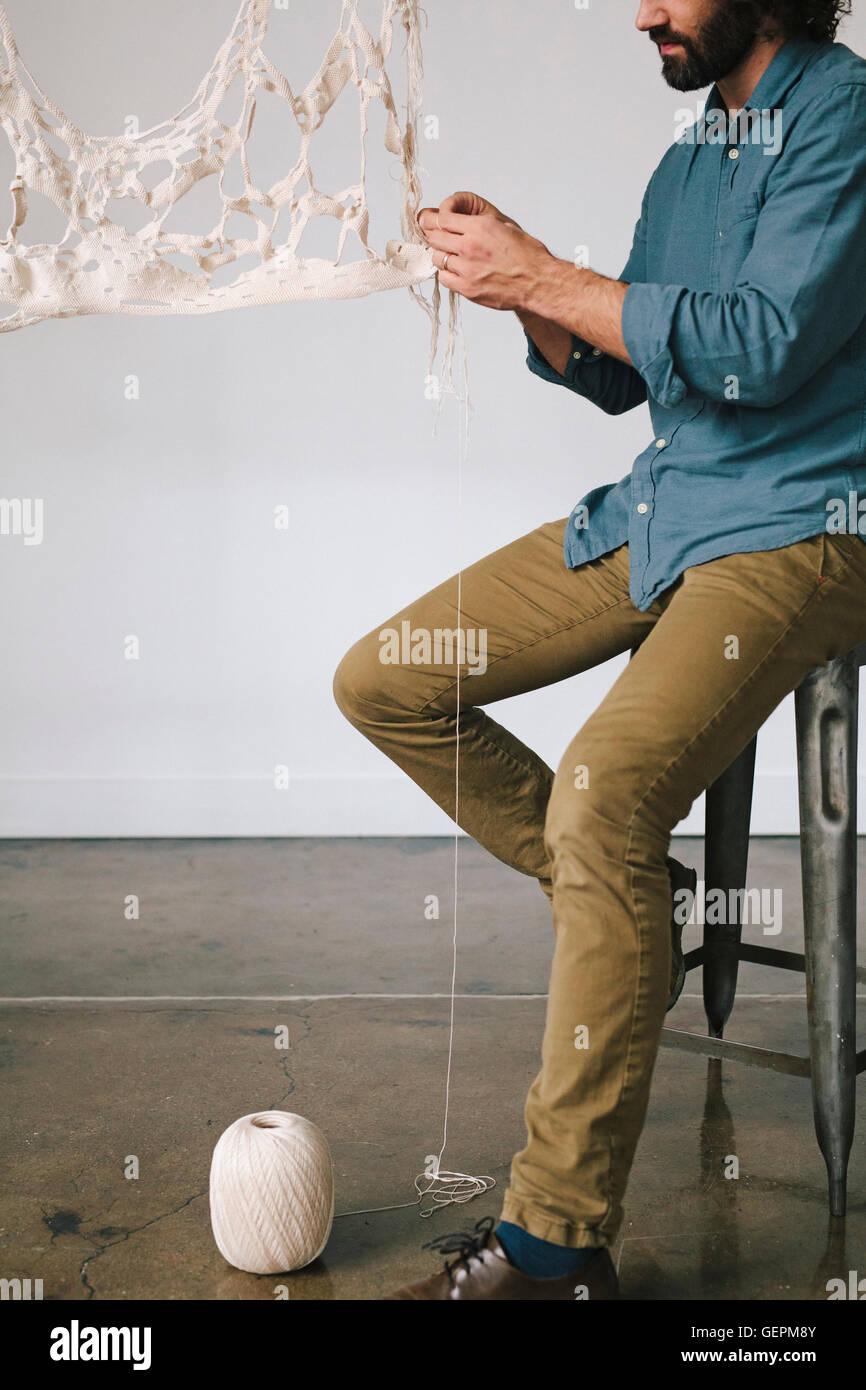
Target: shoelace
point(466, 1245)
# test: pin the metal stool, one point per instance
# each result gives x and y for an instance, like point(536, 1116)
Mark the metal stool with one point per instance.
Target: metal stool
point(826, 714)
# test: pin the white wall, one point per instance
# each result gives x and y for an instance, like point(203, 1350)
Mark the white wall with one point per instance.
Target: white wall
point(158, 512)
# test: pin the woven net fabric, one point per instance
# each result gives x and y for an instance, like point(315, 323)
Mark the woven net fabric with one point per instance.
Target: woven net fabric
point(101, 266)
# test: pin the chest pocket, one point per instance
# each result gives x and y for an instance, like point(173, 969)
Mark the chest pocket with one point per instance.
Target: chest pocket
point(736, 234)
point(740, 209)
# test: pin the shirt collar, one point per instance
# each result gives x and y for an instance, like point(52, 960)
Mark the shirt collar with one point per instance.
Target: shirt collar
point(784, 72)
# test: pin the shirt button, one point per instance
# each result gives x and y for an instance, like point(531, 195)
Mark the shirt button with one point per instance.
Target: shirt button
point(660, 443)
point(577, 356)
point(733, 154)
point(642, 507)
point(596, 352)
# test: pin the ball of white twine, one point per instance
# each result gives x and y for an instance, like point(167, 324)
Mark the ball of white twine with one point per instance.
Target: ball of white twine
point(271, 1192)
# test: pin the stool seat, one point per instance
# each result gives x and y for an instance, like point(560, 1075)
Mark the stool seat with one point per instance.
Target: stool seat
point(826, 706)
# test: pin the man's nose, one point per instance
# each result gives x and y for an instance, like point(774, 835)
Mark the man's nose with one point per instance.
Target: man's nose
point(652, 15)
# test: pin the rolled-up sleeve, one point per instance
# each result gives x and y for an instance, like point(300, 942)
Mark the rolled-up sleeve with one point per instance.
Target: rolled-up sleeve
point(800, 293)
point(612, 385)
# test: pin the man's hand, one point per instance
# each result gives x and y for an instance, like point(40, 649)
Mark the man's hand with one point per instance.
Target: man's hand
point(484, 255)
point(472, 204)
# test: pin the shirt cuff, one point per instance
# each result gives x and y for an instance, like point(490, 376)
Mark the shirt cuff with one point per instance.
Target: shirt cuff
point(648, 313)
point(581, 354)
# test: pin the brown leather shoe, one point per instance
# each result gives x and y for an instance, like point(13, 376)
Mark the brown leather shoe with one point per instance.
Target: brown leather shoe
point(481, 1270)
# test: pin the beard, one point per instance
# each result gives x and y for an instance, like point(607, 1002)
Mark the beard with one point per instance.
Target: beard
point(720, 46)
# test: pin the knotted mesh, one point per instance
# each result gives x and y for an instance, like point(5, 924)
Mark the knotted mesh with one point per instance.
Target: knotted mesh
point(100, 265)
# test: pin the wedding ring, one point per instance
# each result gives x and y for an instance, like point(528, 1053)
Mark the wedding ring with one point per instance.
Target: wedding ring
point(445, 262)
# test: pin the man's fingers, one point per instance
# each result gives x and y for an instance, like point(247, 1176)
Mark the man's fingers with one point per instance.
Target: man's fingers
point(473, 205)
point(449, 281)
point(437, 220)
point(469, 204)
point(453, 263)
point(460, 223)
point(457, 223)
point(459, 205)
point(443, 241)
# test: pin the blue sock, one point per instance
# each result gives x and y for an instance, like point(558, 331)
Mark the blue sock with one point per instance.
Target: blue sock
point(540, 1259)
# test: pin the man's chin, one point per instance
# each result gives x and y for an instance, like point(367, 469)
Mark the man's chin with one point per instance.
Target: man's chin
point(680, 76)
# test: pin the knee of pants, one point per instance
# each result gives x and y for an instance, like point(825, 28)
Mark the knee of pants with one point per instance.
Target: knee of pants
point(603, 805)
point(358, 681)
point(592, 804)
point(368, 690)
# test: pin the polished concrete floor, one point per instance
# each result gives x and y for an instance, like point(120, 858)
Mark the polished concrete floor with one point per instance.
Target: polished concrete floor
point(146, 1037)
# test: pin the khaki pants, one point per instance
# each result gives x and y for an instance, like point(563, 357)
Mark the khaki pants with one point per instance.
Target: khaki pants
point(719, 650)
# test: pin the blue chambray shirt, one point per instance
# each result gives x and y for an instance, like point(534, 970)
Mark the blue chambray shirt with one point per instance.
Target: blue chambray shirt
point(744, 318)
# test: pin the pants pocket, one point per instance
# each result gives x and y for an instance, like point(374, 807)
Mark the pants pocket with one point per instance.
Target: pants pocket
point(842, 551)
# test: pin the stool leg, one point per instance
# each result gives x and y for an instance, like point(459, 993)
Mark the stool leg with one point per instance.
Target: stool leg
point(826, 712)
point(726, 853)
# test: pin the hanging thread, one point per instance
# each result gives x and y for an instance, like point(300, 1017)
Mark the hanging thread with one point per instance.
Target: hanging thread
point(444, 1187)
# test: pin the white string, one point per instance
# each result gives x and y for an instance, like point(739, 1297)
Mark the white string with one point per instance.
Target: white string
point(445, 1187)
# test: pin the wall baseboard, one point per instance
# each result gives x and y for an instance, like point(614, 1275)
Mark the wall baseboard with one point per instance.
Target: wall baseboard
point(312, 805)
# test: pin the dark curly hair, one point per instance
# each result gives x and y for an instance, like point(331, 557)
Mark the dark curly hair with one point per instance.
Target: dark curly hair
point(815, 19)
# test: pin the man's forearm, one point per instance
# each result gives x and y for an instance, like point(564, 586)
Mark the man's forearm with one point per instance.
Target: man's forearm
point(552, 340)
point(566, 299)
